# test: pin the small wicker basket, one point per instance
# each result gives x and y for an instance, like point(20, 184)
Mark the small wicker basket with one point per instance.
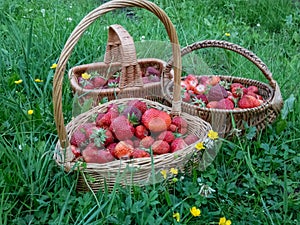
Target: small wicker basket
point(120, 57)
point(220, 119)
point(125, 172)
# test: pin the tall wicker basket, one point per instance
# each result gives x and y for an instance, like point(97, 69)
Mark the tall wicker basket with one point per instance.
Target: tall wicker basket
point(224, 121)
point(120, 57)
point(126, 172)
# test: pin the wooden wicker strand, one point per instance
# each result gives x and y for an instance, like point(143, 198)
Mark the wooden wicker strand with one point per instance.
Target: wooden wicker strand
point(78, 32)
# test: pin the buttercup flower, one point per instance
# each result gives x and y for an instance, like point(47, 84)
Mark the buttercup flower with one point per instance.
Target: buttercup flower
point(227, 34)
point(174, 171)
point(54, 65)
point(164, 173)
point(195, 212)
point(30, 112)
point(38, 80)
point(223, 221)
point(85, 76)
point(18, 81)
point(213, 135)
point(176, 216)
point(199, 146)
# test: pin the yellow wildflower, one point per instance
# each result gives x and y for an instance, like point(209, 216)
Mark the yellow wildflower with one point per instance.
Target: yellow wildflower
point(38, 80)
point(54, 65)
point(18, 81)
point(85, 76)
point(176, 216)
point(174, 171)
point(213, 135)
point(164, 173)
point(30, 112)
point(227, 34)
point(195, 212)
point(223, 221)
point(199, 146)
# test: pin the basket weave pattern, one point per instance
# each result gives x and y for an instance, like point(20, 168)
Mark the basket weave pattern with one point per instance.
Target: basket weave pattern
point(220, 119)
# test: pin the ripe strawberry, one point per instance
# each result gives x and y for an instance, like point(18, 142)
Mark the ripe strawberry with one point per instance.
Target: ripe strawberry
point(139, 153)
point(216, 93)
point(192, 81)
point(235, 85)
point(185, 85)
point(178, 144)
point(179, 122)
point(89, 86)
point(142, 106)
point(98, 82)
point(190, 139)
point(167, 136)
point(101, 137)
point(76, 151)
point(111, 148)
point(204, 80)
point(238, 91)
point(173, 128)
point(199, 89)
point(248, 101)
point(146, 142)
point(121, 128)
point(160, 147)
point(133, 114)
point(253, 89)
point(203, 98)
point(106, 119)
point(78, 138)
point(186, 97)
point(92, 154)
point(156, 120)
point(123, 150)
point(136, 143)
point(141, 131)
point(213, 80)
point(225, 104)
point(212, 105)
point(182, 130)
point(259, 97)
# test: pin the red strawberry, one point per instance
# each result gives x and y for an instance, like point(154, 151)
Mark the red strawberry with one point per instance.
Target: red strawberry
point(121, 128)
point(190, 139)
point(142, 106)
point(212, 104)
point(139, 153)
point(199, 89)
point(179, 122)
point(248, 101)
point(192, 81)
point(178, 144)
point(173, 128)
point(203, 98)
point(186, 97)
point(167, 136)
point(259, 97)
point(182, 130)
point(156, 120)
point(136, 143)
point(253, 89)
point(146, 142)
point(225, 104)
point(216, 93)
point(76, 151)
point(123, 150)
point(160, 147)
point(89, 86)
point(235, 85)
point(101, 137)
point(141, 131)
point(111, 148)
point(204, 80)
point(238, 91)
point(92, 154)
point(78, 138)
point(106, 119)
point(185, 85)
point(98, 82)
point(214, 80)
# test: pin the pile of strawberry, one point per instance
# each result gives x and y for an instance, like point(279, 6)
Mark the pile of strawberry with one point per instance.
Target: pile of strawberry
point(129, 132)
point(212, 92)
point(94, 80)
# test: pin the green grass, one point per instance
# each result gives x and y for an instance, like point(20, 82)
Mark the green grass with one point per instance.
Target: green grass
point(256, 179)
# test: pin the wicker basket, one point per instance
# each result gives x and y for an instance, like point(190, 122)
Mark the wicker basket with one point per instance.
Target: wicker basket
point(120, 57)
point(125, 172)
point(220, 119)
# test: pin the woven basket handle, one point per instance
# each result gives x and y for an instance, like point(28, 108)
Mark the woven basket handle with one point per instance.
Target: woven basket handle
point(229, 46)
point(120, 48)
point(78, 32)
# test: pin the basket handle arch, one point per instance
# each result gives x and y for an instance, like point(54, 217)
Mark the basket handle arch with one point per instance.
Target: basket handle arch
point(78, 32)
point(120, 48)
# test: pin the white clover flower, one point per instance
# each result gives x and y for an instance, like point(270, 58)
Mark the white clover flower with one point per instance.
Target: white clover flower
point(43, 11)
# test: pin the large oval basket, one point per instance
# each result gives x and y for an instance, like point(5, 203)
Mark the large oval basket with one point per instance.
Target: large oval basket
point(224, 121)
point(140, 171)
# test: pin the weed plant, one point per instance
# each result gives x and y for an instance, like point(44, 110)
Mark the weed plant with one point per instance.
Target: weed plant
point(255, 177)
